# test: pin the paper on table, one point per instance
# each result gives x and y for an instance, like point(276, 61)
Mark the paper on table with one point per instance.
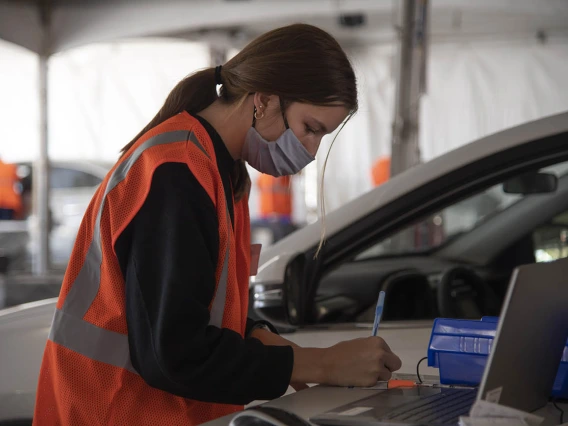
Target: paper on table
point(489, 413)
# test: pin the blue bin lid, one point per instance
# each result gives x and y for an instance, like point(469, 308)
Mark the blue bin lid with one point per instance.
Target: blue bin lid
point(474, 337)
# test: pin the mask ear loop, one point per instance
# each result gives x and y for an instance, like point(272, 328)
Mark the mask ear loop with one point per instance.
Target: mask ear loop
point(283, 115)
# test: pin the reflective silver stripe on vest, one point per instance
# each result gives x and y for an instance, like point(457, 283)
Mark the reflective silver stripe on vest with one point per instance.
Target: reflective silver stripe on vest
point(89, 340)
point(69, 329)
point(218, 305)
point(196, 142)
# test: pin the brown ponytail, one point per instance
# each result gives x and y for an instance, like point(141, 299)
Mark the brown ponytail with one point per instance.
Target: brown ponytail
point(193, 94)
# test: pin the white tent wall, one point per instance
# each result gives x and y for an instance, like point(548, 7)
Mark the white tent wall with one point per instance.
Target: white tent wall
point(367, 134)
point(103, 95)
point(480, 88)
point(100, 95)
point(475, 88)
point(19, 103)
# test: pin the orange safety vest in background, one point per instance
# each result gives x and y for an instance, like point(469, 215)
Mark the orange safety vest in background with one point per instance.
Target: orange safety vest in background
point(86, 376)
point(10, 198)
point(381, 171)
point(275, 195)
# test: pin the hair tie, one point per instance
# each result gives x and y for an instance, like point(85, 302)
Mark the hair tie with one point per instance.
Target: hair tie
point(218, 75)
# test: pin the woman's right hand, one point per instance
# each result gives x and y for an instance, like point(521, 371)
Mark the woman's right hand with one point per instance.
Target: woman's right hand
point(359, 362)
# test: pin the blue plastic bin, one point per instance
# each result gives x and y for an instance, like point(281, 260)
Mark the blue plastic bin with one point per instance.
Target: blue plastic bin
point(459, 349)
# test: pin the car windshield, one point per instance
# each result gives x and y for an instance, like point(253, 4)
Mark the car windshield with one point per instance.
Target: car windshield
point(455, 220)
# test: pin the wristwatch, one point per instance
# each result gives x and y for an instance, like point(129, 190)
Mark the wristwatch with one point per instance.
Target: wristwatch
point(263, 325)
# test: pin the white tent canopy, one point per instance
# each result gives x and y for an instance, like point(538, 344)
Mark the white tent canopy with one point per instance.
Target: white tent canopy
point(79, 22)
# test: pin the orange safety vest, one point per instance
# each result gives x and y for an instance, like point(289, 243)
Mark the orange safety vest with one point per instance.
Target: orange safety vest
point(275, 195)
point(9, 197)
point(86, 377)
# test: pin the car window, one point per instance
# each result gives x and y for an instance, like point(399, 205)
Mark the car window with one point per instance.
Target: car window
point(457, 219)
point(551, 239)
point(65, 178)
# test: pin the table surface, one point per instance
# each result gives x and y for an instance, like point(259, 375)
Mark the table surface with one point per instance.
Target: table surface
point(319, 399)
point(408, 341)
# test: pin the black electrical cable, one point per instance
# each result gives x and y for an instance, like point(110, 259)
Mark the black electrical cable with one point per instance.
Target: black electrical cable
point(559, 409)
point(418, 369)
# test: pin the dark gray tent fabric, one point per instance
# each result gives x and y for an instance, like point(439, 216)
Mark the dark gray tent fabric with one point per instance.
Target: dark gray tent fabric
point(80, 22)
point(20, 24)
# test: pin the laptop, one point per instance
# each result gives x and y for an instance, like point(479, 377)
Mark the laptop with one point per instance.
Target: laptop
point(521, 367)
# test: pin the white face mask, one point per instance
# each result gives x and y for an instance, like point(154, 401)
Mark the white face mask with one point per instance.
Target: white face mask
point(284, 156)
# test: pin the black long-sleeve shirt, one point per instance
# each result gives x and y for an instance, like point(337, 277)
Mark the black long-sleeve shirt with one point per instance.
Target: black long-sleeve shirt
point(168, 255)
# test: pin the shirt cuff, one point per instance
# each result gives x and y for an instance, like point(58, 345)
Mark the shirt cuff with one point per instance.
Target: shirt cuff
point(278, 363)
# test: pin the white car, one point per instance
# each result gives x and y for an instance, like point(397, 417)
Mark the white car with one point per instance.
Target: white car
point(441, 239)
point(72, 186)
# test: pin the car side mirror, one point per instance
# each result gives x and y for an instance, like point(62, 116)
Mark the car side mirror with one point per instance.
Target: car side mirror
point(293, 294)
point(531, 183)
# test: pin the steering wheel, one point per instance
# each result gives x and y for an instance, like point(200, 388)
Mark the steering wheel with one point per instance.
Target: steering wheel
point(462, 294)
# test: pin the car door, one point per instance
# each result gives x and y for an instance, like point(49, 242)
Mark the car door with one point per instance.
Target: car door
point(360, 235)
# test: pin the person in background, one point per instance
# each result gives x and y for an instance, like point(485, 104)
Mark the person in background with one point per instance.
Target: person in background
point(151, 324)
point(275, 197)
point(380, 172)
point(275, 208)
point(10, 192)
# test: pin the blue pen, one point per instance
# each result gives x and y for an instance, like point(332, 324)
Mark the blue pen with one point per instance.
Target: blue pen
point(379, 312)
point(378, 315)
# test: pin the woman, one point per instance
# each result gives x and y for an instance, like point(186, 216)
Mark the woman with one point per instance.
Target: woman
point(151, 324)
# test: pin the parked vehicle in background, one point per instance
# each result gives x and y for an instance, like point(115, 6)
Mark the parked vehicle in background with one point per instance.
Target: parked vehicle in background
point(72, 185)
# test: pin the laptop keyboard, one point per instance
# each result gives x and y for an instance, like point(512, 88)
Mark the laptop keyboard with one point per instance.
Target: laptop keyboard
point(441, 409)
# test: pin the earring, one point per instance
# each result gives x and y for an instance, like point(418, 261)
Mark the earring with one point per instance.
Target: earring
point(259, 117)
